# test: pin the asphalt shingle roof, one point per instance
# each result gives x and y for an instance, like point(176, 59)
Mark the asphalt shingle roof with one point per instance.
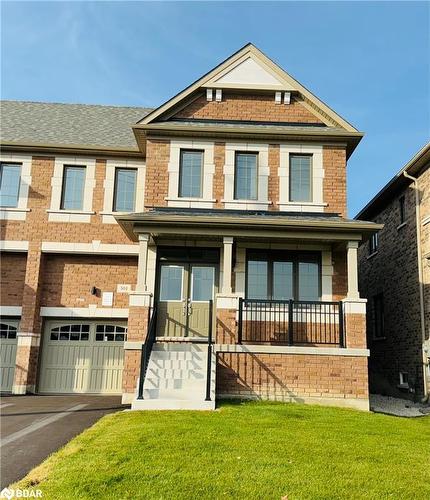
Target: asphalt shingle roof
point(69, 124)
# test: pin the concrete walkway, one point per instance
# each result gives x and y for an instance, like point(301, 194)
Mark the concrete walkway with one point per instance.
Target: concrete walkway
point(398, 407)
point(33, 427)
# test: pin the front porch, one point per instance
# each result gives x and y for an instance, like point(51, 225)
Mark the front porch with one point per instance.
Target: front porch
point(248, 294)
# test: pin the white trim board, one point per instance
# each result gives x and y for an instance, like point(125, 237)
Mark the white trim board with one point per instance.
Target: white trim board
point(95, 247)
point(84, 312)
point(10, 310)
point(270, 349)
point(13, 246)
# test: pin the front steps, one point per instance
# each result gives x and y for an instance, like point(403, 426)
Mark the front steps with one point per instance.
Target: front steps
point(176, 378)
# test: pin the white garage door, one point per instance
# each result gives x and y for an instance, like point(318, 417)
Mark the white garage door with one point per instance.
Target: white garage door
point(8, 329)
point(82, 357)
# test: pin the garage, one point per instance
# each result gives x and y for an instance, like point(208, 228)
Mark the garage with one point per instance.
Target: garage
point(82, 357)
point(8, 342)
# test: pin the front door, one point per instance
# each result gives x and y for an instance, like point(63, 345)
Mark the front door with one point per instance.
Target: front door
point(183, 299)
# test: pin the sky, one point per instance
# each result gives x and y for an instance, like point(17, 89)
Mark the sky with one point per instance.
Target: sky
point(369, 61)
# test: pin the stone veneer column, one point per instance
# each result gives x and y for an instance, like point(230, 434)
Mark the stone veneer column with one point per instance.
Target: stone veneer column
point(28, 342)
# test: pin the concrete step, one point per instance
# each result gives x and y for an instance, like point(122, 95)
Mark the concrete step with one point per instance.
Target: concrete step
point(172, 404)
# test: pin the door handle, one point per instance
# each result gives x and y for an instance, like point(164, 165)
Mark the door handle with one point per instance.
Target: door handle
point(184, 308)
point(189, 308)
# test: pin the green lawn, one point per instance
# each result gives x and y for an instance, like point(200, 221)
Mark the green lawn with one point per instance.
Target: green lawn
point(247, 450)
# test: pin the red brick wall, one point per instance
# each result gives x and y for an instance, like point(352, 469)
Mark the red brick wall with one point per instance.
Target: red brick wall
point(282, 376)
point(12, 269)
point(157, 177)
point(68, 279)
point(334, 190)
point(252, 107)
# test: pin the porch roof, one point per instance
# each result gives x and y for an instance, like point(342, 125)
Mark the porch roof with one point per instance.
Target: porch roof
point(217, 223)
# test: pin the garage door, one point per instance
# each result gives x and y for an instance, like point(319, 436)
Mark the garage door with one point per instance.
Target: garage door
point(8, 329)
point(82, 357)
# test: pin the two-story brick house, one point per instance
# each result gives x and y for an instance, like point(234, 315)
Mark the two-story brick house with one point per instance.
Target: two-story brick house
point(394, 275)
point(223, 219)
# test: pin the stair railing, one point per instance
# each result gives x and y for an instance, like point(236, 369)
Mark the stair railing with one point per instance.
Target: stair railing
point(209, 367)
point(146, 350)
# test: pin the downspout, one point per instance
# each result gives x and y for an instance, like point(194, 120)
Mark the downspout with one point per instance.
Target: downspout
point(420, 276)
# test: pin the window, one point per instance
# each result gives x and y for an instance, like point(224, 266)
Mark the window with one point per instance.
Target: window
point(300, 178)
point(373, 244)
point(125, 190)
point(190, 174)
point(202, 283)
point(7, 331)
point(245, 176)
point(70, 332)
point(10, 179)
point(283, 276)
point(73, 188)
point(171, 283)
point(378, 316)
point(404, 378)
point(111, 333)
point(402, 209)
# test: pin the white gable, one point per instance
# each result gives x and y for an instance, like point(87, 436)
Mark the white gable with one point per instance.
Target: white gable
point(249, 72)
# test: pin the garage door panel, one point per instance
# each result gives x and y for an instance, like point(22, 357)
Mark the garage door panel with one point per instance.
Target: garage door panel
point(93, 364)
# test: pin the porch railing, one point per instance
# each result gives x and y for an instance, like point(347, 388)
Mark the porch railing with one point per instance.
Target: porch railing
point(209, 360)
point(291, 322)
point(146, 350)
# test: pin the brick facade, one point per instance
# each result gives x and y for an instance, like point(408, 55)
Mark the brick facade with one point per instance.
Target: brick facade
point(393, 272)
point(251, 107)
point(12, 270)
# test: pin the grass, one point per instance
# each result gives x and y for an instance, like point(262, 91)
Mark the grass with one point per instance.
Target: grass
point(244, 450)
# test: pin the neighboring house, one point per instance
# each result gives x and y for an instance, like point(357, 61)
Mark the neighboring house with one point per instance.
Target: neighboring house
point(224, 216)
point(394, 276)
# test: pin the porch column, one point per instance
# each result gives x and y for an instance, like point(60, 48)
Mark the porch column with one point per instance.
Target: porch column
point(142, 265)
point(352, 269)
point(227, 265)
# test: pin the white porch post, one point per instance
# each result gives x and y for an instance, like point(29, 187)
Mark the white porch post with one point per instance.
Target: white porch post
point(352, 269)
point(142, 265)
point(227, 265)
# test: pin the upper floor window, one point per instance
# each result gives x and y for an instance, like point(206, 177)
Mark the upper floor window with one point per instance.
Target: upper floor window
point(125, 190)
point(245, 176)
point(10, 179)
point(402, 209)
point(300, 178)
point(72, 197)
point(281, 276)
point(378, 316)
point(190, 174)
point(373, 243)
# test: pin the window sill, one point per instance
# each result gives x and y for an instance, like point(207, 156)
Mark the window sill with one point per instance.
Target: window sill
point(377, 339)
point(189, 199)
point(370, 256)
point(115, 213)
point(403, 224)
point(403, 386)
point(301, 203)
point(80, 212)
point(249, 202)
point(14, 209)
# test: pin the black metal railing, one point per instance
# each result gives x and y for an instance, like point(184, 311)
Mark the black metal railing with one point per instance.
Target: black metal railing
point(291, 322)
point(146, 350)
point(209, 367)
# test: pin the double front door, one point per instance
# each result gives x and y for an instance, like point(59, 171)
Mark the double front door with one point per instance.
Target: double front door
point(184, 293)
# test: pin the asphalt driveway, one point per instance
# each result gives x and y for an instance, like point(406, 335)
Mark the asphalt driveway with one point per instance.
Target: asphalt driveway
point(32, 427)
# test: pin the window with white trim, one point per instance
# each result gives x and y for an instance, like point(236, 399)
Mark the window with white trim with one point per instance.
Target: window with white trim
point(246, 176)
point(72, 196)
point(373, 243)
point(10, 180)
point(125, 190)
point(300, 178)
point(190, 173)
point(8, 331)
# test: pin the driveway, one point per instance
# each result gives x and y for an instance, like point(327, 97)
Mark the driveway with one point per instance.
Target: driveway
point(32, 427)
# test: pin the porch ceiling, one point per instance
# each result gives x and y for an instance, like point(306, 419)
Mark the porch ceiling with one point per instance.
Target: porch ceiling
point(244, 225)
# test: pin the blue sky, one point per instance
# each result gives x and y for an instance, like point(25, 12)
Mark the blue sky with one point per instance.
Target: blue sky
point(369, 61)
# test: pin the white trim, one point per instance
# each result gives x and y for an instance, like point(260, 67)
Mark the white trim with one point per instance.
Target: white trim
point(10, 310)
point(95, 247)
point(354, 306)
point(317, 204)
point(263, 171)
point(20, 211)
point(109, 188)
point(270, 349)
point(140, 299)
point(84, 312)
point(206, 200)
point(55, 213)
point(13, 246)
